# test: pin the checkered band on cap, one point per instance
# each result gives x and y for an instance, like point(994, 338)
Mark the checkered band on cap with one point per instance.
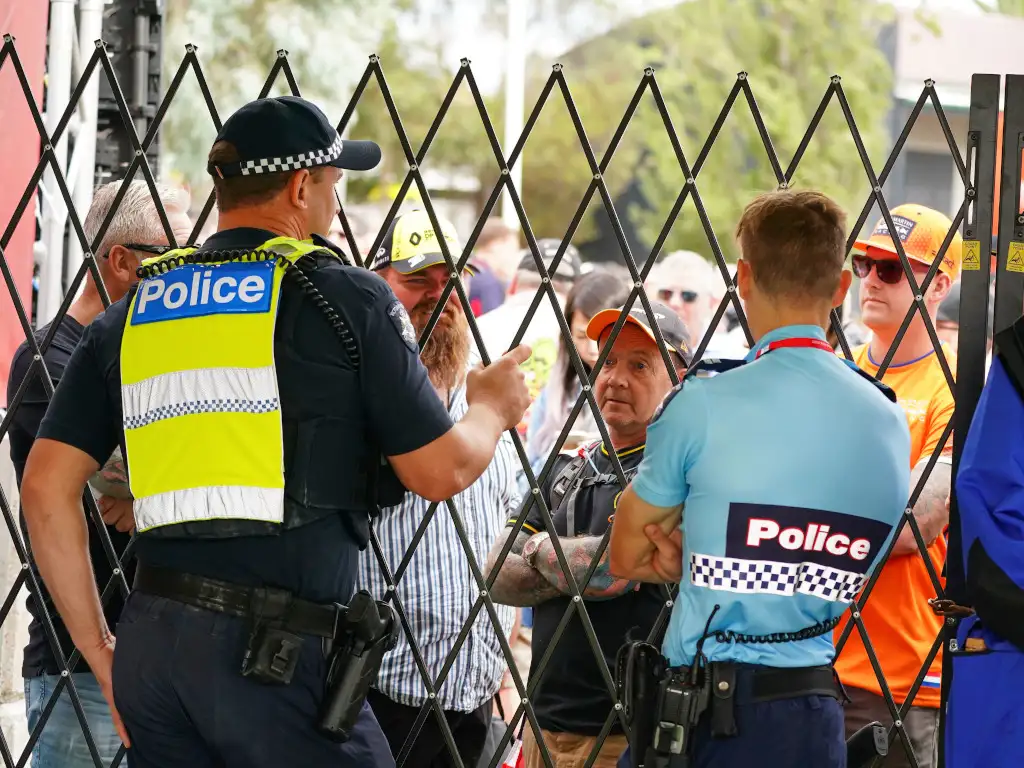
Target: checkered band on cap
point(293, 162)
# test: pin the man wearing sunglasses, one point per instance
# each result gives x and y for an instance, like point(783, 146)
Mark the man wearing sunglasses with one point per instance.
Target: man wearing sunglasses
point(899, 621)
point(691, 287)
point(134, 232)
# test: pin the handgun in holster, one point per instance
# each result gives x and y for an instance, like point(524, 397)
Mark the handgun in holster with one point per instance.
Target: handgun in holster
point(367, 630)
point(639, 669)
point(867, 744)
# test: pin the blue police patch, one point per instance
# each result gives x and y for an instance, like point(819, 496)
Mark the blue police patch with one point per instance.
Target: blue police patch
point(400, 319)
point(196, 290)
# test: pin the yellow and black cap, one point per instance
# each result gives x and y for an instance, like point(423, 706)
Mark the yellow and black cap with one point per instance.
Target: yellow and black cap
point(287, 133)
point(673, 329)
point(411, 245)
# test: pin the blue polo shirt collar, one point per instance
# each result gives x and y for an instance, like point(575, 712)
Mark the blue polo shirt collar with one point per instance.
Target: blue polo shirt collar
point(786, 332)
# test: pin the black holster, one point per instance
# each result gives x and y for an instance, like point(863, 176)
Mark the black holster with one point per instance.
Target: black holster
point(870, 742)
point(639, 670)
point(367, 631)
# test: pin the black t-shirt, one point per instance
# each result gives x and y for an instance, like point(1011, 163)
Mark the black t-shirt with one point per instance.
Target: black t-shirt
point(573, 697)
point(402, 412)
point(39, 658)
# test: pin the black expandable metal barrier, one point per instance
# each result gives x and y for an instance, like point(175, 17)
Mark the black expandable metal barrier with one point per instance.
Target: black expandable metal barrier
point(974, 214)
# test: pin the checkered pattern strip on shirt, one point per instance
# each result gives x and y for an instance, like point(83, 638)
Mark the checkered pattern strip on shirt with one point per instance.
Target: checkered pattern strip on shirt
point(730, 574)
point(201, 406)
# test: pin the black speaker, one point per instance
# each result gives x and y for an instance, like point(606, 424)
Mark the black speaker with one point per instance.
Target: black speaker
point(133, 32)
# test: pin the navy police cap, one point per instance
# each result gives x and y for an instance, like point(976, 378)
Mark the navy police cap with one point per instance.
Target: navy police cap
point(287, 133)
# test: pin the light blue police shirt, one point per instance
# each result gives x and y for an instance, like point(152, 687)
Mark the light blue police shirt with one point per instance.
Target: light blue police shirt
point(794, 471)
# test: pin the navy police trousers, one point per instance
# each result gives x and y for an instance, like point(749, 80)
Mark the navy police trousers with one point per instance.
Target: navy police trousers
point(984, 717)
point(185, 704)
point(803, 732)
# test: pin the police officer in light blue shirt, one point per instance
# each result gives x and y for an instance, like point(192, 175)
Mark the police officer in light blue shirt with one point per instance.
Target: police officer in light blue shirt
point(793, 468)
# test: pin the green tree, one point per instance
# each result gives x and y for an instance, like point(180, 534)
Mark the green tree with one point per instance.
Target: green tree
point(790, 48)
point(329, 42)
point(1009, 7)
point(237, 42)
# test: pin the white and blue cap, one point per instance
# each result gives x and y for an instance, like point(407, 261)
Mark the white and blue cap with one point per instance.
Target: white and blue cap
point(287, 133)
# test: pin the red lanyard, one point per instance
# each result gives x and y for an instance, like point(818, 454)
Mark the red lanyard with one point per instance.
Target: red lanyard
point(824, 346)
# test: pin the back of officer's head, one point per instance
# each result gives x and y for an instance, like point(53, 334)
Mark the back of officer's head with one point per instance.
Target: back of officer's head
point(792, 245)
point(238, 192)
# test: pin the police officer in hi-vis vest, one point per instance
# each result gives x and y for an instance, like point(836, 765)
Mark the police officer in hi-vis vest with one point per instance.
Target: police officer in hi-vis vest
point(255, 385)
point(769, 490)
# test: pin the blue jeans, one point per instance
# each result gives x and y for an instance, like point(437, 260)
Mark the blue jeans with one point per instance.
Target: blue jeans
point(62, 742)
point(178, 688)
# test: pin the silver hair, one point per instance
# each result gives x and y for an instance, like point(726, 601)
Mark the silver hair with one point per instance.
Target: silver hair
point(136, 219)
point(688, 267)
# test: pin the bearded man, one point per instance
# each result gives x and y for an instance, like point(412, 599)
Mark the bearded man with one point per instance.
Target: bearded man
point(435, 584)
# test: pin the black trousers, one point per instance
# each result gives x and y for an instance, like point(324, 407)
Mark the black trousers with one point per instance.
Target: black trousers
point(178, 688)
point(469, 729)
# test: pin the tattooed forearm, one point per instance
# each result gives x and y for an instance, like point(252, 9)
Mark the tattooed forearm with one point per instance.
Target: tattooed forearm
point(930, 511)
point(517, 583)
point(579, 554)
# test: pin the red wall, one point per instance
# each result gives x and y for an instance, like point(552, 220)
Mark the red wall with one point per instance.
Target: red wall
point(19, 153)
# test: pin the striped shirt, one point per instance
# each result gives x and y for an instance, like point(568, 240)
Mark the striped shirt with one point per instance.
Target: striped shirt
point(438, 589)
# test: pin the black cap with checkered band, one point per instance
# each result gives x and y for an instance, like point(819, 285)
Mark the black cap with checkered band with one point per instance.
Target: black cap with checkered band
point(287, 133)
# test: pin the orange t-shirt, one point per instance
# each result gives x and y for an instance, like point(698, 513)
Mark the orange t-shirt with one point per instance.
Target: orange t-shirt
point(897, 617)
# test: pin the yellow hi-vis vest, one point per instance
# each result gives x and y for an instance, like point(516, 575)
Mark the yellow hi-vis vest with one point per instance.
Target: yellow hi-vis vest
point(202, 414)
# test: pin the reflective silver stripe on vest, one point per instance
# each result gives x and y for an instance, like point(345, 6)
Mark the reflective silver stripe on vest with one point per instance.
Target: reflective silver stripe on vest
point(231, 502)
point(201, 390)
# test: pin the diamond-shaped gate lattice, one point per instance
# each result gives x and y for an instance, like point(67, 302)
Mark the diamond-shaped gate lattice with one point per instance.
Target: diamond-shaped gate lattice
point(465, 78)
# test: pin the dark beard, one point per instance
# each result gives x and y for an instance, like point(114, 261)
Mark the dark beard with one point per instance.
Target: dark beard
point(446, 353)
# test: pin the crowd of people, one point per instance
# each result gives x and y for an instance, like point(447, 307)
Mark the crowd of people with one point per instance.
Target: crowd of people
point(543, 556)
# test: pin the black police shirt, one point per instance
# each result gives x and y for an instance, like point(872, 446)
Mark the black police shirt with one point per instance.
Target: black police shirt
point(402, 413)
point(39, 657)
point(572, 696)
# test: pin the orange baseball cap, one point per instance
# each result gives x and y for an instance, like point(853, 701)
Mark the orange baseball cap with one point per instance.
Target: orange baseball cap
point(922, 232)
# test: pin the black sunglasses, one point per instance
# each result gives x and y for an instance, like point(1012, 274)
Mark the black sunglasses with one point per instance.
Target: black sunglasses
point(666, 294)
point(889, 271)
point(159, 250)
